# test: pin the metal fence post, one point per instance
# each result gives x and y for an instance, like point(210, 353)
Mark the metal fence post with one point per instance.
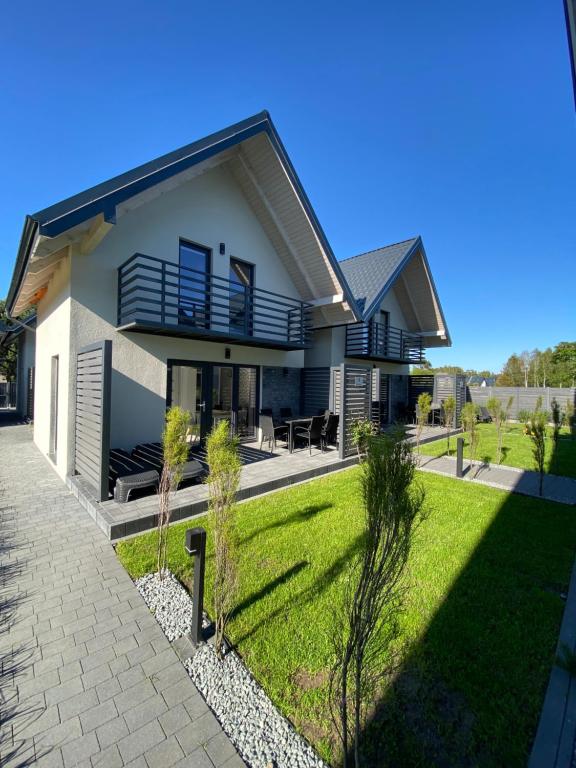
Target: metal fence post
point(459, 456)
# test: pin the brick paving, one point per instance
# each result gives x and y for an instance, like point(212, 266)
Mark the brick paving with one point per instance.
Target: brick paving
point(87, 677)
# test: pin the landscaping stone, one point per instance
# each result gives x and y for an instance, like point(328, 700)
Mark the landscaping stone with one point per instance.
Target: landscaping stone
point(262, 736)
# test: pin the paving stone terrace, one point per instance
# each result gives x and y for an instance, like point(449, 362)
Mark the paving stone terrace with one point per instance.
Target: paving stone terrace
point(262, 473)
point(87, 677)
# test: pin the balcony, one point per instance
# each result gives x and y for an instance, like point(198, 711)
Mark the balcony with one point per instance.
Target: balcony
point(376, 341)
point(156, 296)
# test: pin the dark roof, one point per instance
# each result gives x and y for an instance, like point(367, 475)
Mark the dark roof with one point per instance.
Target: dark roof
point(371, 274)
point(9, 333)
point(103, 198)
point(570, 13)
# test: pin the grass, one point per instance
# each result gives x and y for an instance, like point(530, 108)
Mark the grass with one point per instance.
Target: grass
point(517, 449)
point(478, 632)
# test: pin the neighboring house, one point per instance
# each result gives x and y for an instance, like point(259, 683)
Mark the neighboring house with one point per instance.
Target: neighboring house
point(210, 275)
point(23, 335)
point(481, 381)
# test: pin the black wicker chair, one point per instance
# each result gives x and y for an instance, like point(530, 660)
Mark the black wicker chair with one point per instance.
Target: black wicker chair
point(269, 432)
point(311, 434)
point(330, 430)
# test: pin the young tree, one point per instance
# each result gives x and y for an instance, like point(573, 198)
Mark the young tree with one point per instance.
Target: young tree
point(498, 416)
point(557, 419)
point(175, 450)
point(508, 408)
point(422, 413)
point(449, 408)
point(224, 477)
point(537, 432)
point(361, 432)
point(368, 621)
point(469, 420)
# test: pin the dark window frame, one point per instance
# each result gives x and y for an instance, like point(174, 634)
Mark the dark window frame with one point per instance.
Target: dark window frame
point(183, 241)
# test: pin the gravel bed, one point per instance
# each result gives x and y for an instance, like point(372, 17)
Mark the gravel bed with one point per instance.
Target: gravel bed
point(263, 737)
point(169, 602)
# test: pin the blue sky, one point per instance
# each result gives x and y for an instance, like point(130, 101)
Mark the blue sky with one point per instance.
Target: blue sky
point(451, 120)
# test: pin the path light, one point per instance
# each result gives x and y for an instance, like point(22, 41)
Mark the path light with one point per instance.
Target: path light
point(196, 545)
point(459, 456)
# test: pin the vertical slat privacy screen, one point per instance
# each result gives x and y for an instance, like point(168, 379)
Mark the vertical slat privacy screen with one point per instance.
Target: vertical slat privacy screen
point(30, 393)
point(315, 390)
point(92, 439)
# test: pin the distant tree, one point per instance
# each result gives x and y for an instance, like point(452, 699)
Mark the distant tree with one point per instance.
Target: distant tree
point(564, 362)
point(8, 356)
point(526, 363)
point(511, 375)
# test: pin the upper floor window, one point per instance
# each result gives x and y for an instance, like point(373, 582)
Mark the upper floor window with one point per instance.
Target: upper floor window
point(241, 297)
point(194, 285)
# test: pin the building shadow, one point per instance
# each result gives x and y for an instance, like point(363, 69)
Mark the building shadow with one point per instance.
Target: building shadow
point(469, 691)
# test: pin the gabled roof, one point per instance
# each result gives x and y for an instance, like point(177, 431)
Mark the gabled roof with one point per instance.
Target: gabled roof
point(103, 199)
point(370, 274)
point(404, 267)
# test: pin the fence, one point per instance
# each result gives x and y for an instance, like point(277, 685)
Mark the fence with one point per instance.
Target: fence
point(523, 398)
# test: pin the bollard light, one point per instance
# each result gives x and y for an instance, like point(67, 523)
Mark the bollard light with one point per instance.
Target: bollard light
point(459, 457)
point(196, 547)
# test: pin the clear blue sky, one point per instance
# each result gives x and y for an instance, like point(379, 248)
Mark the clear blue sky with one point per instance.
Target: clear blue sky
point(451, 120)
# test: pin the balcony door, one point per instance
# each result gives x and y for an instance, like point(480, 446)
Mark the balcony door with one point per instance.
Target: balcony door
point(211, 393)
point(194, 285)
point(241, 293)
point(381, 333)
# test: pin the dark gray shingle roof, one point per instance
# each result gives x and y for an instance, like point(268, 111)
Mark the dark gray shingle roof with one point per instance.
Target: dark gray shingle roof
point(369, 274)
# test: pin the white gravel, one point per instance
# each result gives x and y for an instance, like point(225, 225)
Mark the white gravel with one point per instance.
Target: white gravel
point(169, 602)
point(263, 737)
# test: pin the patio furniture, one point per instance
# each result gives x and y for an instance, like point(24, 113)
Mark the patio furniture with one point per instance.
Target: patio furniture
point(127, 474)
point(269, 431)
point(312, 433)
point(153, 454)
point(330, 430)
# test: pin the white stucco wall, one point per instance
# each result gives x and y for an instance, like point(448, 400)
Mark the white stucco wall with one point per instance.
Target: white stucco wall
point(390, 304)
point(207, 210)
point(53, 338)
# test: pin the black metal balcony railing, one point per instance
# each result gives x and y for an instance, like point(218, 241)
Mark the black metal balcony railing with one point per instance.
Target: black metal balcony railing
point(159, 296)
point(382, 342)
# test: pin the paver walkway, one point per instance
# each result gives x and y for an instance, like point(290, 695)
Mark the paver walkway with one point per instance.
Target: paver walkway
point(86, 677)
point(555, 488)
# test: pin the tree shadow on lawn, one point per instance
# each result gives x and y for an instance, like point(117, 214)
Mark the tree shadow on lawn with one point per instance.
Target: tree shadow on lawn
point(299, 516)
point(563, 459)
point(303, 596)
point(283, 578)
point(469, 693)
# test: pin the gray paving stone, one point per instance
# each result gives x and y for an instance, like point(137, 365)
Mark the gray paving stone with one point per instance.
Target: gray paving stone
point(139, 742)
point(88, 646)
point(219, 749)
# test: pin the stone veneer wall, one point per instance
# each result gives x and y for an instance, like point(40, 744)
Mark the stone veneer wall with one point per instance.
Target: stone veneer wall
point(281, 389)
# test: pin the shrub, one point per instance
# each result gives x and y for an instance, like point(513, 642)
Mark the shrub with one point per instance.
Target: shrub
point(557, 419)
point(361, 431)
point(449, 408)
point(570, 418)
point(469, 420)
point(498, 416)
point(223, 479)
point(422, 414)
point(524, 415)
point(536, 427)
point(175, 450)
point(367, 624)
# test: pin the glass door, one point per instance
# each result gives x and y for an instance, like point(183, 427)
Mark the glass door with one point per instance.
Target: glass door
point(188, 390)
point(246, 402)
point(241, 285)
point(194, 285)
point(222, 394)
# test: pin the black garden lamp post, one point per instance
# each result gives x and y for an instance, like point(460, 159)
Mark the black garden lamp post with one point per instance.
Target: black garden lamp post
point(196, 545)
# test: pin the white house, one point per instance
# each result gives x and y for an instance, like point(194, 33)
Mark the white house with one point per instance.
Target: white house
point(210, 275)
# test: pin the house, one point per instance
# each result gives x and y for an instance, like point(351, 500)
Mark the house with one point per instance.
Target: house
point(203, 278)
point(22, 335)
point(481, 381)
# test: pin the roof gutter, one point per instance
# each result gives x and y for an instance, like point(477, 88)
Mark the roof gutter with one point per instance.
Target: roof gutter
point(29, 232)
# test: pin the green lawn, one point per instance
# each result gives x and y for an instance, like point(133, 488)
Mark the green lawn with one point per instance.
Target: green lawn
point(517, 449)
point(479, 628)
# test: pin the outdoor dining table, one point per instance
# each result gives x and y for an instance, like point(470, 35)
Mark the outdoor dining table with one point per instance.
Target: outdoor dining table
point(294, 422)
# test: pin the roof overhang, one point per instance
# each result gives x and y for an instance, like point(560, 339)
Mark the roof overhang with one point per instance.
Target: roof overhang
point(85, 219)
point(415, 288)
point(570, 12)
